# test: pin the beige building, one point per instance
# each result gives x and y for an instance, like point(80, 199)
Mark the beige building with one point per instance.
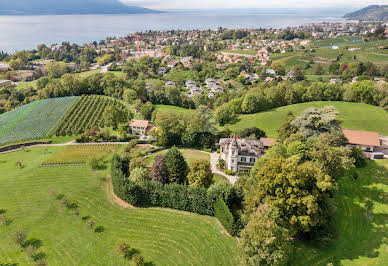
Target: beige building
point(141, 127)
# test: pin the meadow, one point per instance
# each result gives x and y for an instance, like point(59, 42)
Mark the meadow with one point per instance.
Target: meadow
point(162, 236)
point(189, 154)
point(354, 116)
point(35, 120)
point(362, 236)
point(75, 154)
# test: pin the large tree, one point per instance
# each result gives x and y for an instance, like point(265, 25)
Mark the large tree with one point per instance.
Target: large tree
point(176, 166)
point(200, 173)
point(114, 115)
point(263, 241)
point(159, 170)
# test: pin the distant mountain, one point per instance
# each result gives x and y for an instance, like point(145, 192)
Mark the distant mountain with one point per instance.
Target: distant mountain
point(370, 13)
point(68, 7)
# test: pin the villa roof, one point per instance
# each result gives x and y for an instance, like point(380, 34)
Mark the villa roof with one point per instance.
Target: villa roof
point(139, 123)
point(267, 141)
point(359, 137)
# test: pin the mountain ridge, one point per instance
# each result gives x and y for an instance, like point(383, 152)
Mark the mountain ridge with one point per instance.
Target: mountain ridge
point(69, 7)
point(370, 13)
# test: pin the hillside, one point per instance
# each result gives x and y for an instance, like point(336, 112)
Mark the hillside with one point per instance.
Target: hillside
point(370, 13)
point(354, 116)
point(34, 120)
point(162, 236)
point(59, 7)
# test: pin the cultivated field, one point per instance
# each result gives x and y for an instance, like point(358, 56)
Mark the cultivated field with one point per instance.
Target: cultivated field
point(76, 154)
point(85, 114)
point(35, 120)
point(162, 236)
point(354, 116)
point(362, 236)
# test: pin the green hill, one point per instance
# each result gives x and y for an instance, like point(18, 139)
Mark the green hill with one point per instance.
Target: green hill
point(162, 236)
point(370, 13)
point(34, 120)
point(354, 116)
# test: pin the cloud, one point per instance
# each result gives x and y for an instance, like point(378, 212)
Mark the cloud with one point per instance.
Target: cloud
point(203, 4)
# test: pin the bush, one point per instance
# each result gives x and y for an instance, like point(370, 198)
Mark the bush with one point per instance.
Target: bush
point(222, 213)
point(358, 156)
point(229, 172)
point(139, 174)
point(137, 260)
point(96, 163)
point(20, 237)
point(125, 249)
point(159, 170)
point(176, 166)
point(99, 229)
point(200, 173)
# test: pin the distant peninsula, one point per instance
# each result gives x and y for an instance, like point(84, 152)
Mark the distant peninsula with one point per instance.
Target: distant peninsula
point(370, 13)
point(68, 7)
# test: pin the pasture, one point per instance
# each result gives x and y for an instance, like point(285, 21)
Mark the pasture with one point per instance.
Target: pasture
point(75, 154)
point(362, 235)
point(189, 154)
point(35, 120)
point(354, 116)
point(162, 236)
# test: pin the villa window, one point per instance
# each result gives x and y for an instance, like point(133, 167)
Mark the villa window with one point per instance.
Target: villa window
point(243, 159)
point(252, 160)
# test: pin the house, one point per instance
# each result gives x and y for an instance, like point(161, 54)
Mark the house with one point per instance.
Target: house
point(240, 154)
point(170, 83)
point(335, 81)
point(267, 142)
point(368, 141)
point(190, 83)
point(5, 82)
point(140, 127)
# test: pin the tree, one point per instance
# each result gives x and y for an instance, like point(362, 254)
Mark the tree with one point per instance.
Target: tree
point(137, 260)
point(159, 170)
point(139, 174)
point(263, 241)
point(200, 173)
point(20, 237)
point(56, 69)
point(146, 110)
point(299, 191)
point(286, 129)
point(129, 95)
point(176, 166)
point(358, 155)
point(253, 132)
point(114, 115)
point(312, 122)
point(224, 114)
point(15, 64)
point(222, 213)
point(298, 74)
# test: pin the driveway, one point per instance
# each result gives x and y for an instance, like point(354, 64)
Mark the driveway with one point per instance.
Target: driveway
point(214, 161)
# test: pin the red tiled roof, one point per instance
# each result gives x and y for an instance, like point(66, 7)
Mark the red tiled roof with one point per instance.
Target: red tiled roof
point(139, 123)
point(359, 137)
point(267, 141)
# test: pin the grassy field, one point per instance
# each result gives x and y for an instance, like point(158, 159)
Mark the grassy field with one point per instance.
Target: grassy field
point(81, 153)
point(162, 236)
point(354, 116)
point(35, 120)
point(362, 238)
point(172, 108)
point(240, 51)
point(189, 154)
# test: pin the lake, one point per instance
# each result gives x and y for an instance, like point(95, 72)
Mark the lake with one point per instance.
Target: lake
point(26, 32)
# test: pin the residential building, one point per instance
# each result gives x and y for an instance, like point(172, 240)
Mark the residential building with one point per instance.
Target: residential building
point(240, 154)
point(141, 127)
point(5, 82)
point(368, 141)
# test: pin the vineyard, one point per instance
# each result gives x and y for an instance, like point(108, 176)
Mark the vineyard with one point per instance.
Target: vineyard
point(85, 114)
point(34, 120)
point(80, 154)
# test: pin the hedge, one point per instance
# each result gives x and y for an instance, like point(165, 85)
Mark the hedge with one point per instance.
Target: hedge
point(222, 213)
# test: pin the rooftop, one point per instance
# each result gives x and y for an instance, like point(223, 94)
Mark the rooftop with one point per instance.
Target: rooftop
point(359, 137)
point(139, 123)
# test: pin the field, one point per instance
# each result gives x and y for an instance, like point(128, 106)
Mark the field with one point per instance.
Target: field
point(354, 116)
point(189, 154)
point(76, 154)
point(162, 236)
point(35, 120)
point(362, 238)
point(240, 52)
point(172, 108)
point(85, 114)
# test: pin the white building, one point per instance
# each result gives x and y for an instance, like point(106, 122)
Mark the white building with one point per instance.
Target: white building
point(240, 154)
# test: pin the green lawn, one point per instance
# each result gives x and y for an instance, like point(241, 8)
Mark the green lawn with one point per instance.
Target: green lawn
point(240, 51)
point(163, 236)
point(189, 154)
point(362, 239)
point(178, 109)
point(354, 116)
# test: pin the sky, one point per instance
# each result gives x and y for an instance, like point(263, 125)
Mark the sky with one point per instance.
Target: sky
point(209, 4)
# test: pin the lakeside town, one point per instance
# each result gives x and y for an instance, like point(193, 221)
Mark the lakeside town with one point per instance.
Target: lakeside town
point(204, 147)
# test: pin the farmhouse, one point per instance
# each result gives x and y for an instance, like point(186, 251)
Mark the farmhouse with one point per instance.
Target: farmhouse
point(240, 154)
point(368, 141)
point(4, 83)
point(141, 127)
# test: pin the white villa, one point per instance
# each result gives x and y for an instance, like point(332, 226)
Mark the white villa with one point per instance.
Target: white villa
point(240, 154)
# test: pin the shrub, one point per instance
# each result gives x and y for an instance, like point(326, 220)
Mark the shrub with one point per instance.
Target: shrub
point(137, 260)
point(4, 220)
point(125, 249)
point(99, 229)
point(222, 213)
point(222, 189)
point(96, 163)
point(139, 174)
point(229, 172)
point(358, 156)
point(20, 237)
point(200, 173)
point(159, 170)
